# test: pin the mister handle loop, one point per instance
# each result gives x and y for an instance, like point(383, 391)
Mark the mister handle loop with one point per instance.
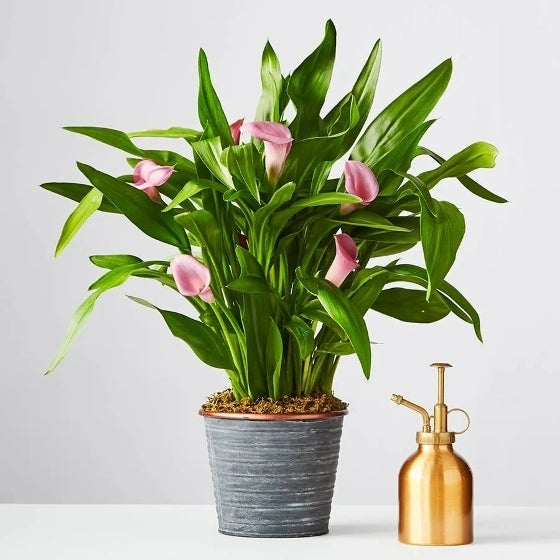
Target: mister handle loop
point(466, 416)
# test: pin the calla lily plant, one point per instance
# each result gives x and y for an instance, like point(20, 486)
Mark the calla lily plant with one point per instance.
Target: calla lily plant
point(279, 255)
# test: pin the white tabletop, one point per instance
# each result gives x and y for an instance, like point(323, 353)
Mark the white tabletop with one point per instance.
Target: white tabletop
point(138, 532)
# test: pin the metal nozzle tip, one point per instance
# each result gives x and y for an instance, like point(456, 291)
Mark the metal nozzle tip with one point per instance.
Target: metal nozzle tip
point(396, 398)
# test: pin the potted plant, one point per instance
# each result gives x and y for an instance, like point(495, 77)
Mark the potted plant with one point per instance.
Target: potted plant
point(276, 252)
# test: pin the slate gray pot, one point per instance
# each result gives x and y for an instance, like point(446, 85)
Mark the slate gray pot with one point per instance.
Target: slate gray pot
point(273, 474)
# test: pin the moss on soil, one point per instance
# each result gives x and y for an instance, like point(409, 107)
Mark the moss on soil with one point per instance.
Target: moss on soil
point(319, 402)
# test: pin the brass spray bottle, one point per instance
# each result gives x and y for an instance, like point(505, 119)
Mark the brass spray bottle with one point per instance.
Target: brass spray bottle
point(435, 483)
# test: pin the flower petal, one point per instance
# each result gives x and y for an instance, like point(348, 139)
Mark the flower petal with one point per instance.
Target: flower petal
point(274, 159)
point(191, 276)
point(268, 131)
point(360, 181)
point(158, 175)
point(142, 171)
point(235, 129)
point(345, 260)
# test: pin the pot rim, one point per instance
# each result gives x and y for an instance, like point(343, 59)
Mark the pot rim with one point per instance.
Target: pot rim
point(301, 416)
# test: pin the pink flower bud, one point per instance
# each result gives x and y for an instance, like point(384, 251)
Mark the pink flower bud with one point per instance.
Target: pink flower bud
point(192, 277)
point(359, 180)
point(235, 129)
point(148, 175)
point(277, 140)
point(345, 260)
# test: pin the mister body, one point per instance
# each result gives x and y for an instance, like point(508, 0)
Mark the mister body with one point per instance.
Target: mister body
point(435, 483)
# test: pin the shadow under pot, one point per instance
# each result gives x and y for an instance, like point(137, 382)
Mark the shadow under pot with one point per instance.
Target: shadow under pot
point(273, 474)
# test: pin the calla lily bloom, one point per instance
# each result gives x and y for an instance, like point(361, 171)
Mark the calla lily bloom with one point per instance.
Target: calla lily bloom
point(345, 260)
point(235, 129)
point(148, 175)
point(360, 181)
point(192, 277)
point(277, 140)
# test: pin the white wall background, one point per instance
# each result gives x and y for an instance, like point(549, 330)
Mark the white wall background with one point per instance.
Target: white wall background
point(118, 421)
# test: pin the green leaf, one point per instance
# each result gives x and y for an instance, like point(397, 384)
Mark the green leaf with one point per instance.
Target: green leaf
point(343, 312)
point(241, 162)
point(320, 176)
point(83, 312)
point(367, 218)
point(303, 336)
point(466, 181)
point(173, 132)
point(191, 189)
point(274, 354)
point(210, 152)
point(363, 92)
point(324, 199)
point(251, 284)
point(441, 236)
point(403, 115)
point(411, 305)
point(119, 275)
point(309, 83)
point(77, 192)
point(138, 208)
point(204, 342)
point(114, 261)
point(272, 82)
point(210, 111)
point(336, 348)
point(454, 299)
point(205, 228)
point(87, 206)
point(397, 161)
point(120, 140)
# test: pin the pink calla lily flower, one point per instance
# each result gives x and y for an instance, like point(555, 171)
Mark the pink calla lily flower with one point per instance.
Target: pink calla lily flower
point(277, 140)
point(345, 260)
point(192, 277)
point(235, 129)
point(148, 175)
point(360, 181)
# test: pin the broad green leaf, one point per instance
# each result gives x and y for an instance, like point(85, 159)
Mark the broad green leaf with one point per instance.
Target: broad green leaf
point(309, 83)
point(302, 335)
point(87, 206)
point(205, 228)
point(324, 199)
point(119, 275)
point(77, 192)
point(138, 208)
point(113, 261)
point(274, 354)
point(307, 153)
point(320, 176)
point(272, 82)
point(410, 305)
point(191, 189)
point(336, 348)
point(210, 111)
point(242, 162)
point(120, 140)
point(173, 132)
point(204, 342)
point(343, 312)
point(454, 299)
point(210, 151)
point(441, 236)
point(251, 284)
point(390, 167)
point(466, 181)
point(363, 92)
point(367, 218)
point(402, 116)
point(83, 312)
point(315, 312)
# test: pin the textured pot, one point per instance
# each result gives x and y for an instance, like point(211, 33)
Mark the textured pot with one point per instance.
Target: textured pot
point(273, 474)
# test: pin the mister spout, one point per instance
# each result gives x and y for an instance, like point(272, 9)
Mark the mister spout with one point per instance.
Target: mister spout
point(398, 399)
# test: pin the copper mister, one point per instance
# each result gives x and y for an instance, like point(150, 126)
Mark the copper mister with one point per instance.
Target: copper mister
point(435, 483)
